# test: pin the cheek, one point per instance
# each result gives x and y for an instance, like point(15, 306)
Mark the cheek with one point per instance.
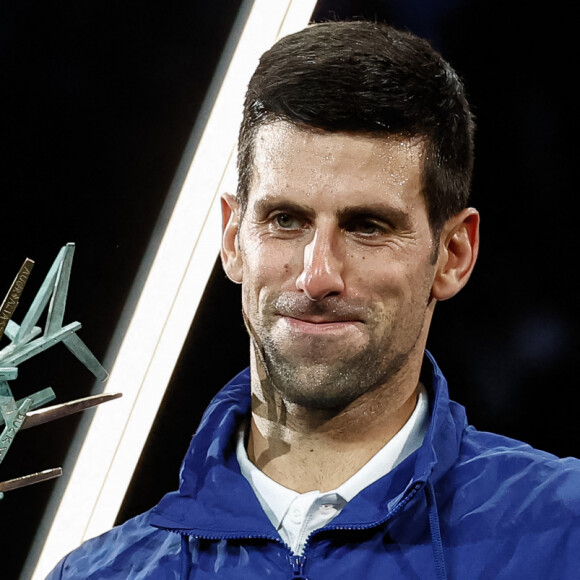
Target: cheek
point(265, 274)
point(392, 285)
point(267, 262)
point(375, 275)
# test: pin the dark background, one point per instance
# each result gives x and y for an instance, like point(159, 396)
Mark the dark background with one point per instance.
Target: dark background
point(97, 102)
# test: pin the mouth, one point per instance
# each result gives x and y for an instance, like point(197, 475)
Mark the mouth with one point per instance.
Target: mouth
point(330, 317)
point(320, 324)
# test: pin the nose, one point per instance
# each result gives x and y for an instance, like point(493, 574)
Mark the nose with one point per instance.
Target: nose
point(322, 270)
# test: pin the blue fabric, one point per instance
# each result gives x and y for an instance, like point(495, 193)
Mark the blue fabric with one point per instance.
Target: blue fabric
point(466, 505)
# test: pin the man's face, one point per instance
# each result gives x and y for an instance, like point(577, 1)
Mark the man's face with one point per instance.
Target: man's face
point(334, 253)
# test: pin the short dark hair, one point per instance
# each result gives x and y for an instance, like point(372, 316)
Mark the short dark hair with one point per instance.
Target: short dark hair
point(366, 77)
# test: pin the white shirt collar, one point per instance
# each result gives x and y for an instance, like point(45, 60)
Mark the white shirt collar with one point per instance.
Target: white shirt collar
point(276, 499)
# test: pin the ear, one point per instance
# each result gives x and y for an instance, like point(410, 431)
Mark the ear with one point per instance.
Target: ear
point(230, 251)
point(458, 248)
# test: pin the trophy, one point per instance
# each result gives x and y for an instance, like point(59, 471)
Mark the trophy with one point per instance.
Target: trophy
point(28, 340)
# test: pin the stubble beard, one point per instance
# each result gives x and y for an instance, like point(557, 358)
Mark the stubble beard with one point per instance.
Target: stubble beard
point(322, 380)
point(325, 385)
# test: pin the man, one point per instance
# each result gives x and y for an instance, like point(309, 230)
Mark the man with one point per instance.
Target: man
point(338, 453)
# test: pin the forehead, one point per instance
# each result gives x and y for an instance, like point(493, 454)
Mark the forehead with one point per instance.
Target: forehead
point(289, 160)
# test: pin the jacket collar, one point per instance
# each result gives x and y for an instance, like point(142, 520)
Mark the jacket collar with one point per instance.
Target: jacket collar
point(215, 501)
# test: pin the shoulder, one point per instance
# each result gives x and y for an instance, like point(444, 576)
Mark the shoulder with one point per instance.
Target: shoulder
point(483, 450)
point(510, 510)
point(134, 544)
point(516, 481)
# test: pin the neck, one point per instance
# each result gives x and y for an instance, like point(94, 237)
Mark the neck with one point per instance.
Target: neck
point(312, 449)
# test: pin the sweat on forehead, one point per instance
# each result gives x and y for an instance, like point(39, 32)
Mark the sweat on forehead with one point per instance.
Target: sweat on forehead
point(285, 150)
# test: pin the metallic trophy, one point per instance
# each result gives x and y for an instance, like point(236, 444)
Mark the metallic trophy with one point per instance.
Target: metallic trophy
point(26, 341)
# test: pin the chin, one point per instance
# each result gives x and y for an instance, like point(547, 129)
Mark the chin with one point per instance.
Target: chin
point(316, 386)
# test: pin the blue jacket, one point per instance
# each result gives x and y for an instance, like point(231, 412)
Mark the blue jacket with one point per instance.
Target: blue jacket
point(466, 505)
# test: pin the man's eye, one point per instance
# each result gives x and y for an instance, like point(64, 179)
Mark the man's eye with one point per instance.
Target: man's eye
point(367, 227)
point(287, 221)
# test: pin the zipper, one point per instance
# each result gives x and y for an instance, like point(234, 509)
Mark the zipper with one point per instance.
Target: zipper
point(411, 493)
point(297, 563)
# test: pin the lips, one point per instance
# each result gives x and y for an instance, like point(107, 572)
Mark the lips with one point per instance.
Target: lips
point(322, 319)
point(332, 310)
point(320, 326)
